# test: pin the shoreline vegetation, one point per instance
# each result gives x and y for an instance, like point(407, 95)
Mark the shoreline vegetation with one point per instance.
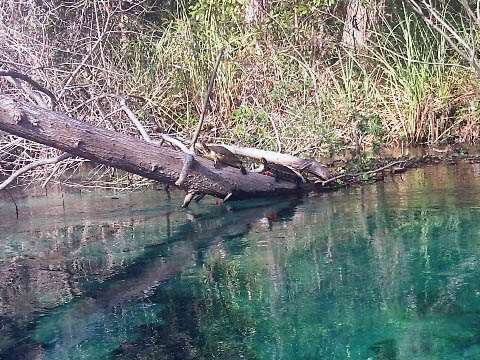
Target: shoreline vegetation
point(296, 77)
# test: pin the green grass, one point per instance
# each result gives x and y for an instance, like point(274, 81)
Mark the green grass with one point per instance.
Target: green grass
point(404, 85)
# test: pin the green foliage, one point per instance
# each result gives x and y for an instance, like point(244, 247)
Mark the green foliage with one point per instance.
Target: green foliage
point(222, 11)
point(268, 74)
point(288, 82)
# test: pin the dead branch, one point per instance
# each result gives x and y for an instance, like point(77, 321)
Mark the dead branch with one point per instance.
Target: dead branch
point(32, 166)
point(205, 102)
point(79, 67)
point(361, 173)
point(133, 118)
point(124, 107)
point(188, 199)
point(187, 164)
point(176, 143)
point(33, 95)
point(33, 83)
point(470, 12)
point(449, 34)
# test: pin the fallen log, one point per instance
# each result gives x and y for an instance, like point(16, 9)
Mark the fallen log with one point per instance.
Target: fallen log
point(134, 155)
point(301, 165)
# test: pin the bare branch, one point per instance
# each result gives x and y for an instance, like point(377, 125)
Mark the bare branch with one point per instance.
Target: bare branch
point(187, 164)
point(133, 118)
point(26, 78)
point(176, 143)
point(361, 173)
point(470, 12)
point(32, 166)
point(142, 130)
point(33, 95)
point(447, 26)
point(468, 55)
point(79, 67)
point(205, 102)
point(188, 199)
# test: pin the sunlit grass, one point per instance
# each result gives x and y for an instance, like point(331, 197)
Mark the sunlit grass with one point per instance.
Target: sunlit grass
point(269, 92)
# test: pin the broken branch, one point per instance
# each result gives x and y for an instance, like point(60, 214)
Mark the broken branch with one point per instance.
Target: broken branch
point(33, 83)
point(361, 173)
point(205, 102)
point(187, 164)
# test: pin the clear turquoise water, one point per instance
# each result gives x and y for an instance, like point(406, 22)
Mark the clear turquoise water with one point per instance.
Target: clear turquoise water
point(386, 271)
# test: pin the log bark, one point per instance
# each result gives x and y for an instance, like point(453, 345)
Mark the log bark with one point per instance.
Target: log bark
point(256, 12)
point(133, 155)
point(361, 17)
point(301, 165)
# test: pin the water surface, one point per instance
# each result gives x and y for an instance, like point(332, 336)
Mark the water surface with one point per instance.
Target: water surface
point(385, 271)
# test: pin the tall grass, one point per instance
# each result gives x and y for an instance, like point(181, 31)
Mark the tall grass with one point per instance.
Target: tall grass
point(269, 89)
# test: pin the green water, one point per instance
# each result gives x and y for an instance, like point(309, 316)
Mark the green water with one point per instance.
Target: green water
point(385, 271)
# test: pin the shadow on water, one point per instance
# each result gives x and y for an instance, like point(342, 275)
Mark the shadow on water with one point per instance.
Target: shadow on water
point(388, 271)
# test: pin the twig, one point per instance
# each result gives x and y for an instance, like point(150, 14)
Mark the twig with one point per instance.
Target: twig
point(361, 173)
point(188, 198)
point(187, 164)
point(205, 102)
point(142, 130)
point(33, 95)
point(26, 78)
point(31, 166)
point(133, 118)
point(47, 180)
point(471, 59)
point(79, 67)
point(176, 143)
point(470, 12)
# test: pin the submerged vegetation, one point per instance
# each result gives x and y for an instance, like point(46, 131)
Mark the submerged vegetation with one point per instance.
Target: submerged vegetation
point(295, 77)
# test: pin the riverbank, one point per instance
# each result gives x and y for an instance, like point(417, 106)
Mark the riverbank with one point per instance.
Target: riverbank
point(289, 84)
point(346, 170)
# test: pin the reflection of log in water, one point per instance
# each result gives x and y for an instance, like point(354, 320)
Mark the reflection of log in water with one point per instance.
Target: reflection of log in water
point(156, 265)
point(56, 268)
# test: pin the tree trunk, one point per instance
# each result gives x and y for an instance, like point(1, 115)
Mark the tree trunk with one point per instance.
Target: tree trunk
point(256, 12)
point(133, 155)
point(362, 16)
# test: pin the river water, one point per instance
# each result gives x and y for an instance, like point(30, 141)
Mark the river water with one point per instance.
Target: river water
point(384, 271)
